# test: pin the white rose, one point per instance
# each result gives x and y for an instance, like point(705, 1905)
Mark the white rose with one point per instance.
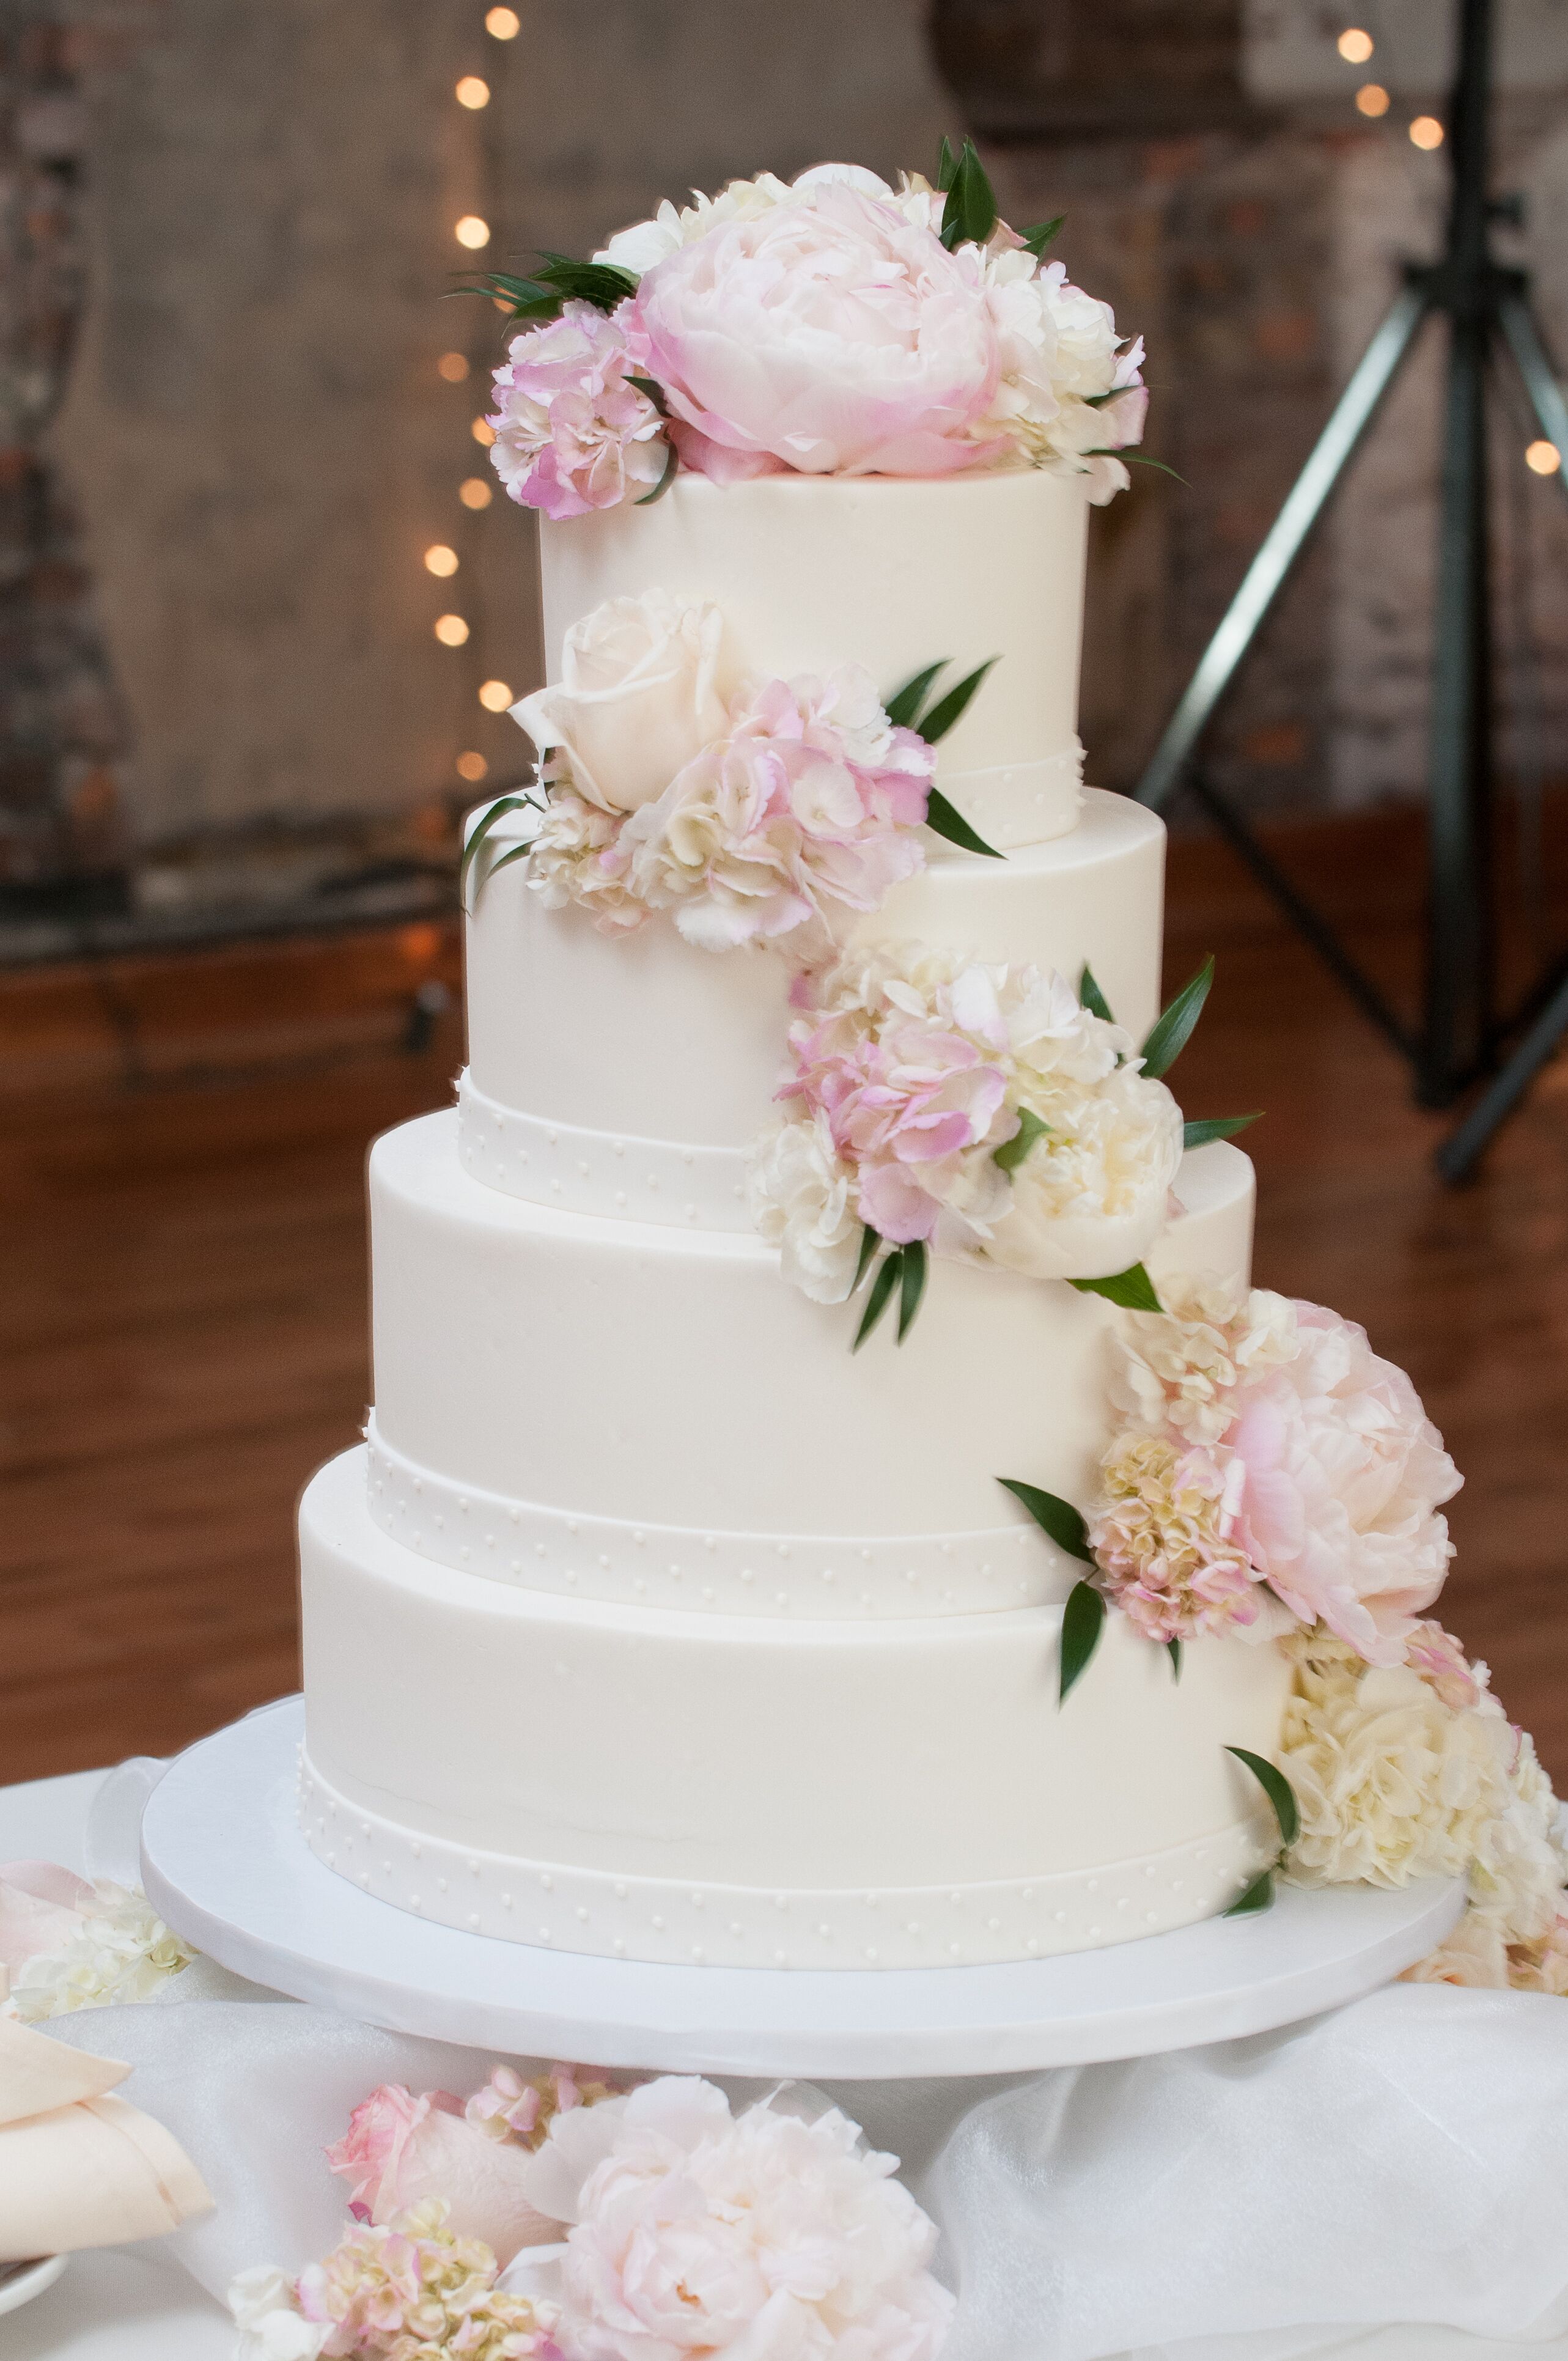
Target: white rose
point(636, 699)
point(1091, 1195)
point(802, 1203)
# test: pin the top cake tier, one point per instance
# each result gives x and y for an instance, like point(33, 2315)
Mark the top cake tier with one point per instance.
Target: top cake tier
point(813, 573)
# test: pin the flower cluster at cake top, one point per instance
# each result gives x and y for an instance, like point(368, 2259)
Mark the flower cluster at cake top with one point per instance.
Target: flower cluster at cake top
point(827, 325)
point(977, 1110)
point(676, 2230)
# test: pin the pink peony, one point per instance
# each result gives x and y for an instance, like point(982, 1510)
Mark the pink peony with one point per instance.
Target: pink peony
point(902, 1106)
point(831, 334)
point(697, 2234)
point(807, 805)
point(1345, 1474)
point(401, 2151)
point(572, 433)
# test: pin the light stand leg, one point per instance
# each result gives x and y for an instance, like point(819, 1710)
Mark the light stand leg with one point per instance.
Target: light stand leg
point(1260, 585)
point(1534, 365)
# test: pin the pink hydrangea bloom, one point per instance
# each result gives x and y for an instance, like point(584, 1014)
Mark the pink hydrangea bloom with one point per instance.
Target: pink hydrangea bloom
point(572, 433)
point(1345, 1474)
point(808, 806)
point(830, 334)
point(902, 1106)
point(1162, 1539)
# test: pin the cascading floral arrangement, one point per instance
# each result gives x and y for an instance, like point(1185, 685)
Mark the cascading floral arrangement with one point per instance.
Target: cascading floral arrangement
point(827, 325)
point(674, 2227)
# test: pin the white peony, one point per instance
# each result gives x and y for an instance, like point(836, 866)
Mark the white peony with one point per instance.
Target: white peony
point(802, 1202)
point(1183, 1369)
point(1092, 1196)
point(637, 698)
point(763, 2237)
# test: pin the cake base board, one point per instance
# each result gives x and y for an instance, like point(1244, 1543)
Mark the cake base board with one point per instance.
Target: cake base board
point(224, 1862)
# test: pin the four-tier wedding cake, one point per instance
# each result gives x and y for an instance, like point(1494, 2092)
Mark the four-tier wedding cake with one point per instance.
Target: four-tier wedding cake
point(828, 1499)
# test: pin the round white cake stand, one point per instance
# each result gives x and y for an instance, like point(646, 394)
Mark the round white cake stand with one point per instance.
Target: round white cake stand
point(224, 1862)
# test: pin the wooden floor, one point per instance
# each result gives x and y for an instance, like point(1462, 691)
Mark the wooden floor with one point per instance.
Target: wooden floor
point(182, 1287)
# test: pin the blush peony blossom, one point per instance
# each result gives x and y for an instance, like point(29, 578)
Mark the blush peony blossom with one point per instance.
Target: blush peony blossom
point(401, 2151)
point(825, 333)
point(697, 2234)
point(909, 1070)
point(573, 434)
point(1161, 1540)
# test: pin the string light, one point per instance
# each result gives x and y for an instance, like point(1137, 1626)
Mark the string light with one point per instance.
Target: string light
point(471, 232)
point(440, 560)
point(1372, 99)
point(1355, 46)
point(1426, 132)
point(1543, 459)
point(472, 91)
point(453, 366)
point(474, 493)
point(495, 696)
point(503, 24)
point(451, 630)
point(472, 767)
point(483, 432)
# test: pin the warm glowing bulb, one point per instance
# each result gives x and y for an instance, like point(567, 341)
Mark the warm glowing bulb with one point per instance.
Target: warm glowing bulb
point(1542, 458)
point(483, 432)
point(503, 24)
point(1426, 131)
point(453, 367)
point(1372, 98)
point(440, 560)
point(471, 231)
point(472, 767)
point(1355, 46)
point(495, 696)
point(473, 91)
point(474, 493)
point(451, 630)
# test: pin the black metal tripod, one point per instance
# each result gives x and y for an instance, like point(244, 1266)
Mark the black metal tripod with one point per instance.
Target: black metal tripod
point(1488, 311)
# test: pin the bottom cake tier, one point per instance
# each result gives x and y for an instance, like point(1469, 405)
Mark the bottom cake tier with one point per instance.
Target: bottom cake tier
point(677, 1787)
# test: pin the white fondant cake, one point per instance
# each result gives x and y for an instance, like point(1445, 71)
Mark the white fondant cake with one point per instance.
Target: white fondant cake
point(652, 1621)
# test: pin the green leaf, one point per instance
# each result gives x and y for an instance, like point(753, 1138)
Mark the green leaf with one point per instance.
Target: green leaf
point(672, 462)
point(970, 214)
point(1082, 1620)
point(1091, 997)
point(1037, 239)
point(1277, 1789)
point(1011, 1152)
point(498, 811)
point(948, 709)
point(1057, 1518)
point(912, 1286)
point(1131, 1291)
point(1258, 1895)
point(870, 1241)
point(1171, 1031)
point(902, 707)
point(1133, 459)
point(655, 392)
point(946, 164)
point(878, 1300)
point(602, 284)
point(1214, 1126)
point(943, 819)
point(1173, 1650)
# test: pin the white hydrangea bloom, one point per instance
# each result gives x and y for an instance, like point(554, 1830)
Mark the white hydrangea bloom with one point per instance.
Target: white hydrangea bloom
point(271, 2326)
point(1184, 1369)
point(121, 1951)
point(802, 1202)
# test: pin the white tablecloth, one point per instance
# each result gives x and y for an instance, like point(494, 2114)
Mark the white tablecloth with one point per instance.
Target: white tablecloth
point(134, 2305)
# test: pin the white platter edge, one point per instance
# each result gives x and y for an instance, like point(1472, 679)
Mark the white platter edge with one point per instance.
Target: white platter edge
point(224, 1862)
point(20, 2283)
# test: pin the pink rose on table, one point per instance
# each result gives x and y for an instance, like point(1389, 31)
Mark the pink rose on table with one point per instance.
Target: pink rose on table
point(400, 2150)
point(1343, 1477)
point(829, 334)
point(571, 431)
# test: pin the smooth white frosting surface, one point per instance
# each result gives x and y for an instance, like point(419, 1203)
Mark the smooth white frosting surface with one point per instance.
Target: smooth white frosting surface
point(678, 1785)
point(889, 572)
point(666, 1376)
